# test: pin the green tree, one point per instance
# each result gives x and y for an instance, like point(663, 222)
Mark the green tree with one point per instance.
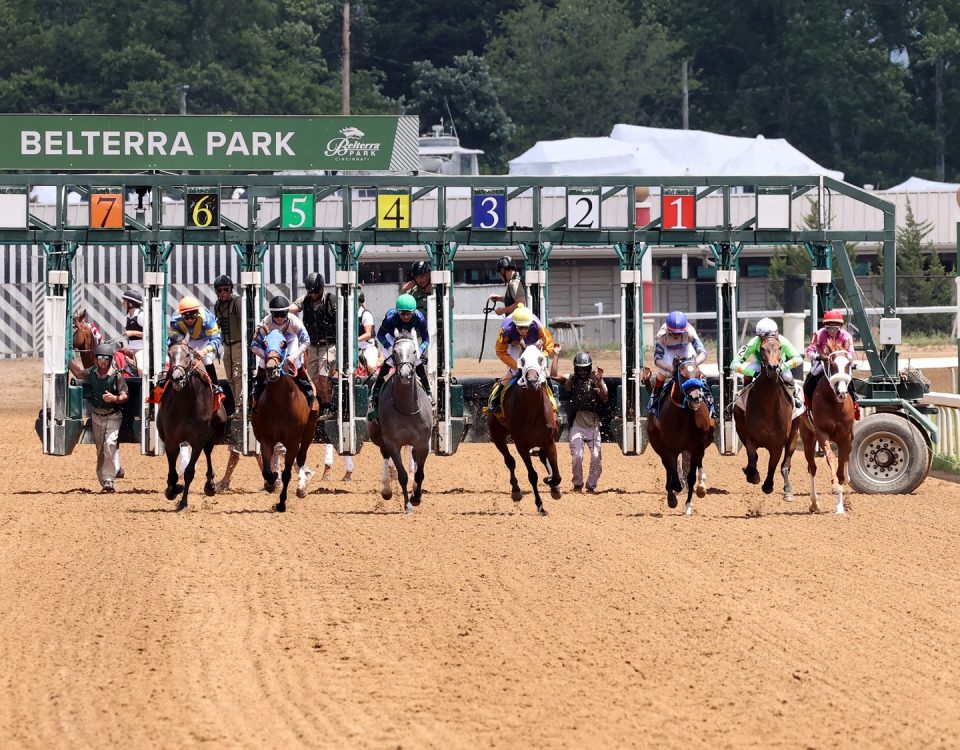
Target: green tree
point(574, 68)
point(466, 92)
point(922, 281)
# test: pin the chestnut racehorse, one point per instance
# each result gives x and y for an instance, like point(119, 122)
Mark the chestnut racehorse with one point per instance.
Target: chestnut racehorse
point(187, 421)
point(831, 418)
point(83, 339)
point(768, 420)
point(283, 416)
point(684, 428)
point(529, 418)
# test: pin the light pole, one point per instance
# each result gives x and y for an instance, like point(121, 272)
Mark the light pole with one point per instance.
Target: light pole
point(182, 89)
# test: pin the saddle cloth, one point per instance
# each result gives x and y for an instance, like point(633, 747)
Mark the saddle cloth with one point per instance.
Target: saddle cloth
point(797, 395)
point(498, 412)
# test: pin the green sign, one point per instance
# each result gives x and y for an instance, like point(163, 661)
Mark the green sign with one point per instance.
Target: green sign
point(209, 142)
point(297, 211)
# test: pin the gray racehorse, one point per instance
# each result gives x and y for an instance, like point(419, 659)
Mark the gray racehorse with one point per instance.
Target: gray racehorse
point(406, 418)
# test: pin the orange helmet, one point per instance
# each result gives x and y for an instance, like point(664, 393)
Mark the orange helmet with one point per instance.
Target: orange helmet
point(189, 304)
point(833, 316)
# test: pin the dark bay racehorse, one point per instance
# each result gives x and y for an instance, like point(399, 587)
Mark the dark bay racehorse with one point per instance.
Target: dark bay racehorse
point(831, 418)
point(83, 339)
point(187, 421)
point(684, 428)
point(283, 417)
point(529, 418)
point(768, 420)
point(406, 418)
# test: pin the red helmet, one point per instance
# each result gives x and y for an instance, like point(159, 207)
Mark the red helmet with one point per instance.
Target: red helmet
point(833, 316)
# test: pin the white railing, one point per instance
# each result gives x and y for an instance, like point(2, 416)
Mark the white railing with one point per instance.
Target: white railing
point(948, 421)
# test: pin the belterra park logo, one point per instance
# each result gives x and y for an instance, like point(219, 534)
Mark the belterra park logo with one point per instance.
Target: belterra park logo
point(350, 146)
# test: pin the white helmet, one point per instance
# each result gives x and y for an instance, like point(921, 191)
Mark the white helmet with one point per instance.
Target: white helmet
point(767, 327)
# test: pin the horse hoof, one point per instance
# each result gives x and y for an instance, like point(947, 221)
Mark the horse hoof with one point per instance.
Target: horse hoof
point(701, 491)
point(688, 511)
point(415, 499)
point(280, 507)
point(270, 486)
point(301, 492)
point(209, 489)
point(671, 500)
point(408, 508)
point(753, 477)
point(182, 505)
point(542, 511)
point(555, 493)
point(814, 508)
point(516, 496)
point(767, 488)
point(386, 495)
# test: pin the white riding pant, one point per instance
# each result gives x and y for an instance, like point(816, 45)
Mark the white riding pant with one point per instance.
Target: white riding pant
point(580, 438)
point(208, 357)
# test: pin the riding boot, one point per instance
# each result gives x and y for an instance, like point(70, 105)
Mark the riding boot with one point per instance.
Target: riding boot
point(214, 379)
point(809, 386)
point(654, 397)
point(373, 409)
point(425, 382)
point(258, 384)
point(786, 377)
point(306, 385)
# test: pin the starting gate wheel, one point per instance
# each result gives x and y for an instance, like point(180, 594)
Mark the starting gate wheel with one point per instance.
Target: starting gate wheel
point(889, 455)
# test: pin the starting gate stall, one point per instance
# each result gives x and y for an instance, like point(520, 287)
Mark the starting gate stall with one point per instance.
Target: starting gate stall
point(346, 213)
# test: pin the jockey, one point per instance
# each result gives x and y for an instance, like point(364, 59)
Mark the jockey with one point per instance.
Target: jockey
point(404, 318)
point(676, 338)
point(195, 326)
point(747, 362)
point(520, 330)
point(830, 338)
point(279, 318)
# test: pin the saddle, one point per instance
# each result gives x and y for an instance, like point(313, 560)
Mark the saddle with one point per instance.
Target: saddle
point(497, 410)
point(744, 395)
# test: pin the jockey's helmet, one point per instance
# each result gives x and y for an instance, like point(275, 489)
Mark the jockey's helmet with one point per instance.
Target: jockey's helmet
point(406, 303)
point(222, 280)
point(522, 315)
point(314, 282)
point(767, 327)
point(279, 304)
point(188, 304)
point(506, 262)
point(833, 317)
point(419, 268)
point(582, 365)
point(104, 350)
point(676, 322)
point(134, 296)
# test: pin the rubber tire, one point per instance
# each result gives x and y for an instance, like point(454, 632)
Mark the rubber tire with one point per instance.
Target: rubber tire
point(905, 438)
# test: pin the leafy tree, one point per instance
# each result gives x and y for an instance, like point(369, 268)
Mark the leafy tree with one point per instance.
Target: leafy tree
point(575, 68)
point(467, 93)
point(922, 281)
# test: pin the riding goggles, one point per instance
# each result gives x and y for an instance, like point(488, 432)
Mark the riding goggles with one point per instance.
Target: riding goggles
point(104, 357)
point(191, 316)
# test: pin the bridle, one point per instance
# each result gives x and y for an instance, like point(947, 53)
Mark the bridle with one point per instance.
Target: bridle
point(770, 369)
point(537, 367)
point(405, 366)
point(179, 372)
point(691, 387)
point(838, 375)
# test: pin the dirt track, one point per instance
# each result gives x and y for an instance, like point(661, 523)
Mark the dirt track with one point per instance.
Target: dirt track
point(344, 623)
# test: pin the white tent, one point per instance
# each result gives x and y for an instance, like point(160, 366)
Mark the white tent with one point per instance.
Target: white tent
point(590, 156)
point(773, 156)
point(920, 185)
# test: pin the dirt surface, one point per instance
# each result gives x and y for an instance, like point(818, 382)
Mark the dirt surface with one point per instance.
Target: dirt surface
point(613, 622)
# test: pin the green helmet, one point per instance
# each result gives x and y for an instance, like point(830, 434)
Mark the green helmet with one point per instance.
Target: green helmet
point(406, 303)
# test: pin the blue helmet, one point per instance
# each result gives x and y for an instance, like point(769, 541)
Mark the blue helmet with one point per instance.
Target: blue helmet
point(676, 322)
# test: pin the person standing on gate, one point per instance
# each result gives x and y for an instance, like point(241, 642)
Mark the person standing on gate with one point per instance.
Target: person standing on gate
point(586, 391)
point(108, 393)
point(366, 341)
point(132, 302)
point(318, 311)
point(404, 318)
point(515, 293)
point(227, 310)
point(419, 287)
point(677, 338)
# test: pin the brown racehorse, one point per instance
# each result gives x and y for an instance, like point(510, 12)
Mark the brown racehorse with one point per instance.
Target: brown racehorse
point(529, 418)
point(831, 418)
point(684, 428)
point(284, 417)
point(187, 421)
point(768, 421)
point(83, 339)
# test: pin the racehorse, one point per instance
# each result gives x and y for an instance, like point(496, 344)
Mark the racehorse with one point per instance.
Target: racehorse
point(188, 420)
point(529, 418)
point(768, 420)
point(283, 416)
point(830, 418)
point(406, 418)
point(83, 339)
point(684, 428)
